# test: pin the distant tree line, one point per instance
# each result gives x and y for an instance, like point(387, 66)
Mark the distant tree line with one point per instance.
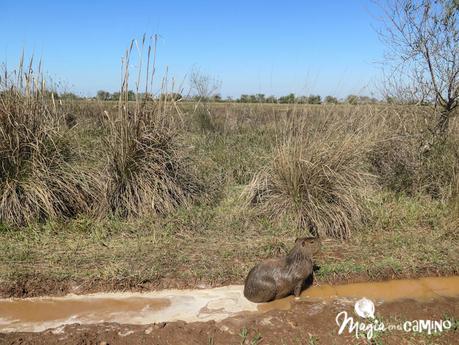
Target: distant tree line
point(246, 98)
point(311, 99)
point(51, 94)
point(131, 96)
point(291, 98)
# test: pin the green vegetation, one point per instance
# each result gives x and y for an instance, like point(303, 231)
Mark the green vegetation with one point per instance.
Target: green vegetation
point(160, 192)
point(217, 244)
point(217, 239)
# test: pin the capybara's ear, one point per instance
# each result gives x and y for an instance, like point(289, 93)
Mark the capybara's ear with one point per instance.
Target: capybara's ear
point(297, 239)
point(303, 242)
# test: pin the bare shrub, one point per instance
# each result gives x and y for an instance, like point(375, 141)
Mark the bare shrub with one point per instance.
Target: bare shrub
point(423, 55)
point(205, 88)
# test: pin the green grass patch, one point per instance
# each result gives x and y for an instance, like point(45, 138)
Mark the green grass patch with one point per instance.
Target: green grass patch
point(217, 245)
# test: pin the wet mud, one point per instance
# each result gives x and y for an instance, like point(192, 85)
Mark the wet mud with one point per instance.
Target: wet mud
point(223, 315)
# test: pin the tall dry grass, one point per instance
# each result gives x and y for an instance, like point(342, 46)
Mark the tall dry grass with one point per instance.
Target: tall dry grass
point(37, 177)
point(329, 160)
point(148, 170)
point(318, 175)
point(404, 163)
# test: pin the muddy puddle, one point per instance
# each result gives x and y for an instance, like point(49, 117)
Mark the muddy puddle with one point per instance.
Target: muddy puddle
point(39, 314)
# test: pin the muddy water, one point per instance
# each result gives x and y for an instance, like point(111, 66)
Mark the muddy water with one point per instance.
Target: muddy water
point(38, 314)
point(421, 289)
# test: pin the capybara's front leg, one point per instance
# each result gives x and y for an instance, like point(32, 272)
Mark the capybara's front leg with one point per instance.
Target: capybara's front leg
point(298, 288)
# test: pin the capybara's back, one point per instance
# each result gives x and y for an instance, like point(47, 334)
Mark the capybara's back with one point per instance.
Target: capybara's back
point(277, 278)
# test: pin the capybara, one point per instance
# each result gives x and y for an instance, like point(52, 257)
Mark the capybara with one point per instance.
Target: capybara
point(277, 278)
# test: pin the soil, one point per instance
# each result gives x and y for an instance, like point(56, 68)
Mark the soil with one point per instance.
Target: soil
point(38, 285)
point(306, 322)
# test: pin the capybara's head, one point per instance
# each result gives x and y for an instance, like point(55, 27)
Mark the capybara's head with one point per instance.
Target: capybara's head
point(311, 245)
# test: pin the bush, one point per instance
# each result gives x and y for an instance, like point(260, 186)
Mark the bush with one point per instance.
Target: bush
point(439, 169)
point(204, 120)
point(395, 162)
point(403, 166)
point(37, 177)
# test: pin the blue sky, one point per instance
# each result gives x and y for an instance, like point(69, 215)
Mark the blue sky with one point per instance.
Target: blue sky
point(270, 47)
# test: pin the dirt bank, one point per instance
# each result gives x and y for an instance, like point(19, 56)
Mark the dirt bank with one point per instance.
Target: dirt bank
point(305, 323)
point(34, 285)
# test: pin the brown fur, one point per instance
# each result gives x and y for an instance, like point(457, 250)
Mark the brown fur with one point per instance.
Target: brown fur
point(277, 278)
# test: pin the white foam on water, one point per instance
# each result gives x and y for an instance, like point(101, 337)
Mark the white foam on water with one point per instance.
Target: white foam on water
point(39, 314)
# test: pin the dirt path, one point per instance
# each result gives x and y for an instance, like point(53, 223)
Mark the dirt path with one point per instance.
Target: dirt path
point(309, 320)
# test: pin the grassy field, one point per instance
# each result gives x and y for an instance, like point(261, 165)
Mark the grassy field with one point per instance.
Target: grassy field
point(217, 245)
point(246, 180)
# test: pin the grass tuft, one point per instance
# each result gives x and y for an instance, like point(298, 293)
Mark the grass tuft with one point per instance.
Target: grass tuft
point(148, 170)
point(37, 177)
point(318, 177)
